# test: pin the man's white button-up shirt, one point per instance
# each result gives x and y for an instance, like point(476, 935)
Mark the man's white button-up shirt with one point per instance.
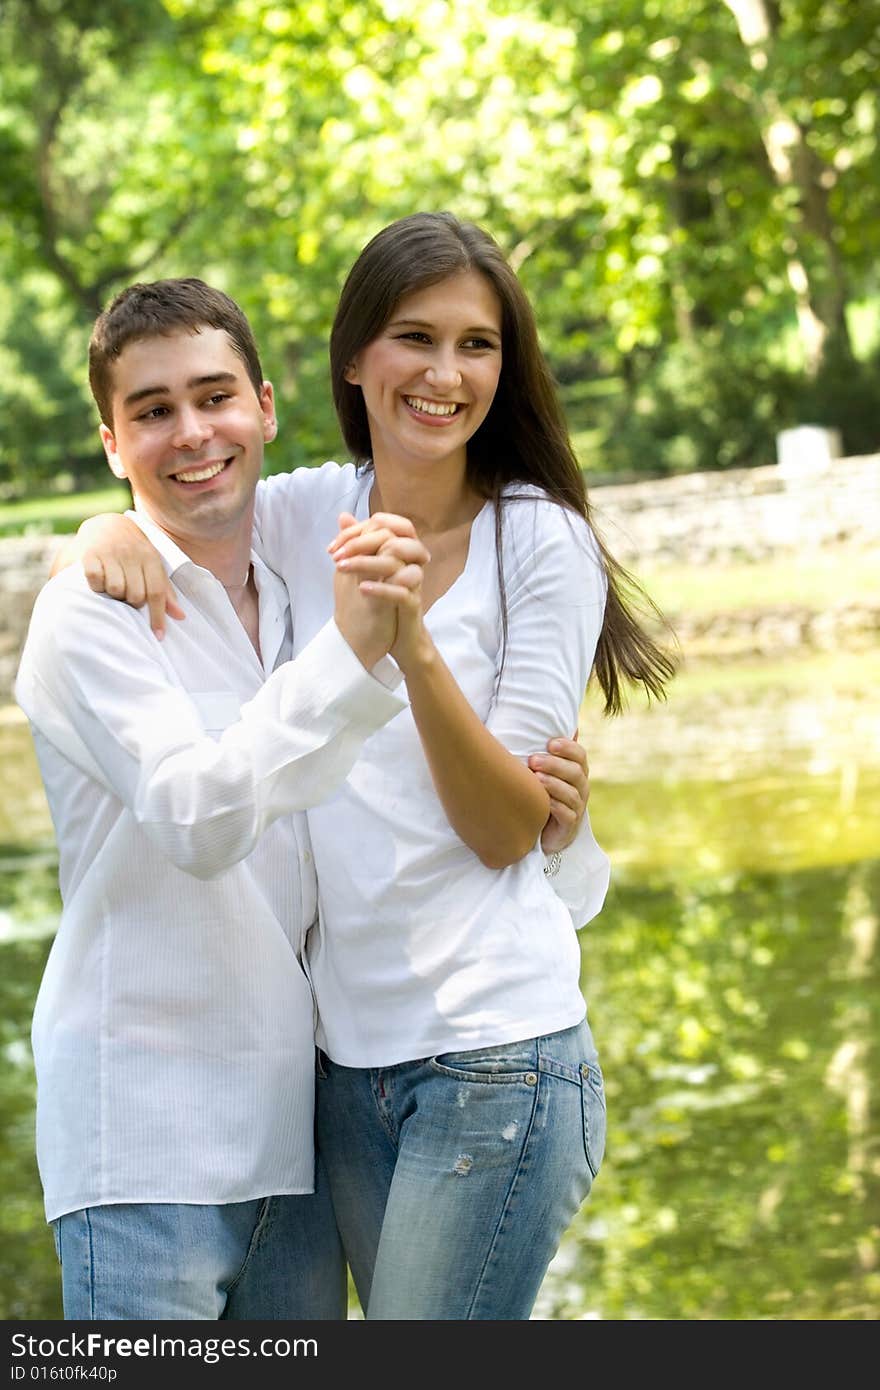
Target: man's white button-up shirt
point(173, 1031)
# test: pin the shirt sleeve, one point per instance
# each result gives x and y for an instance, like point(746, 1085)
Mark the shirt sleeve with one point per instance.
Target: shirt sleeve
point(290, 505)
point(582, 877)
point(555, 592)
point(105, 696)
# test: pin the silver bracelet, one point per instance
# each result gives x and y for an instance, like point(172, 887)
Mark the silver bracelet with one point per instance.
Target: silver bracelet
point(551, 868)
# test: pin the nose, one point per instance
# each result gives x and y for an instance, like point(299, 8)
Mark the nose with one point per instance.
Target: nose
point(191, 428)
point(443, 372)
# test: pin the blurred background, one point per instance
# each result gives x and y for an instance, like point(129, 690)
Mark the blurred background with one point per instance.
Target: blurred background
point(688, 190)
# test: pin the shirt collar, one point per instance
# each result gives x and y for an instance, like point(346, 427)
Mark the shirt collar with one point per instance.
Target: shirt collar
point(171, 554)
point(268, 582)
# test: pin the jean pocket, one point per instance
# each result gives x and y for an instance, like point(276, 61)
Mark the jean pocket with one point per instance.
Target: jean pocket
point(511, 1063)
point(594, 1115)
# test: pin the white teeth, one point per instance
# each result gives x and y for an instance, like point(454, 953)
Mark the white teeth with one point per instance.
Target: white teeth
point(431, 407)
point(201, 475)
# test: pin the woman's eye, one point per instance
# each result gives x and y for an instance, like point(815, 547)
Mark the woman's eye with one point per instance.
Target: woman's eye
point(414, 337)
point(482, 344)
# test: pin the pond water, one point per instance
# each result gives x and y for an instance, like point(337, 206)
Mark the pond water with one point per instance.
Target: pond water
point(732, 987)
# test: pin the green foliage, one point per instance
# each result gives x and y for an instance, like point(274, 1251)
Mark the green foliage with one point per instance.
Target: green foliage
point(703, 403)
point(60, 514)
point(47, 424)
point(29, 1285)
point(626, 156)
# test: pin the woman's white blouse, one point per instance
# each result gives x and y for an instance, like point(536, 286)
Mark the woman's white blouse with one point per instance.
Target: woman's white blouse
point(420, 949)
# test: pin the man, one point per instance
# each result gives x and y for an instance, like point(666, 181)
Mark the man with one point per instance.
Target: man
point(173, 1032)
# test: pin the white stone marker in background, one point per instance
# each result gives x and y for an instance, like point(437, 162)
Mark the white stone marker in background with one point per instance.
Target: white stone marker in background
point(806, 449)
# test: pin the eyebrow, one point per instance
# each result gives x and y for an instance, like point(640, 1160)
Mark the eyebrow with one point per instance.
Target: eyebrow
point(194, 383)
point(425, 323)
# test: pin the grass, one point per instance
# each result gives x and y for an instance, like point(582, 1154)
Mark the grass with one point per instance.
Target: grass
point(708, 693)
point(44, 516)
point(793, 671)
point(810, 578)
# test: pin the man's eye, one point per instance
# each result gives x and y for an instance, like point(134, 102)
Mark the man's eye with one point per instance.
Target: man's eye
point(155, 412)
point(218, 398)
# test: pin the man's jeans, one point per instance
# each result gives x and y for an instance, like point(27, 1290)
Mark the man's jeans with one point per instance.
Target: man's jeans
point(454, 1177)
point(276, 1258)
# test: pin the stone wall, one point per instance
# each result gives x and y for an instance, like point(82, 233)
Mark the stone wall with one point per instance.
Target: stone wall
point(698, 518)
point(24, 567)
point(743, 514)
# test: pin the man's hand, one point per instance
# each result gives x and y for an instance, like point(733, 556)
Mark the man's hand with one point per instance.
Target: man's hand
point(564, 774)
point(118, 560)
point(378, 577)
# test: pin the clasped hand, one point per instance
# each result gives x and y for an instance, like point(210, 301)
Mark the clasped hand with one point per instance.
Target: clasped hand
point(382, 560)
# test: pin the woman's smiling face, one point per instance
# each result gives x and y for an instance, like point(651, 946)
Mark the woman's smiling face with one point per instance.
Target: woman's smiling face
point(430, 377)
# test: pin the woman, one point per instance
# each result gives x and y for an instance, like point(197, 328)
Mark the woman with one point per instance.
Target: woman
point(461, 1112)
point(460, 1107)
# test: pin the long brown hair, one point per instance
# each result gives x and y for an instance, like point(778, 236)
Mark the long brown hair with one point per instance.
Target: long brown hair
point(524, 437)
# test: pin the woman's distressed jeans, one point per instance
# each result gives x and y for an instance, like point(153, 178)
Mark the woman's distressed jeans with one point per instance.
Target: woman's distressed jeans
point(454, 1177)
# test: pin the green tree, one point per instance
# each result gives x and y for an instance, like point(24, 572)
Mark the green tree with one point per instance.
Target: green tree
point(685, 188)
point(109, 159)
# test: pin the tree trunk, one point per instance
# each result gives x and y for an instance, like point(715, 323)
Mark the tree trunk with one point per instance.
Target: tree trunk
point(818, 282)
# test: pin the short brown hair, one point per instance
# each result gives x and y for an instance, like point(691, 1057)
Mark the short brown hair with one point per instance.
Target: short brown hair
point(156, 310)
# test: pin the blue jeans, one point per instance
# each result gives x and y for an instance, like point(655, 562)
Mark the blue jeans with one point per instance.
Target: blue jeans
point(275, 1258)
point(454, 1177)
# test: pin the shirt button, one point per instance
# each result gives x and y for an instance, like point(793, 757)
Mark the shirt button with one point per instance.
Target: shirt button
point(531, 1079)
point(307, 857)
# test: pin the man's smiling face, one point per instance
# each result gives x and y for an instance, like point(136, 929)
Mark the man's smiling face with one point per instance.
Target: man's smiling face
point(188, 432)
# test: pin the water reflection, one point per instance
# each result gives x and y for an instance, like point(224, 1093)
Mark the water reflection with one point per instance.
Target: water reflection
point(732, 985)
point(28, 1269)
point(737, 1021)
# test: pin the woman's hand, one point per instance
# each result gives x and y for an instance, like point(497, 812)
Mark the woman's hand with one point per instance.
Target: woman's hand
point(565, 776)
point(386, 555)
point(118, 560)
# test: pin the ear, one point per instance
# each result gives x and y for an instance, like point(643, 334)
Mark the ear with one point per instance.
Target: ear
point(267, 405)
point(351, 374)
point(108, 439)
